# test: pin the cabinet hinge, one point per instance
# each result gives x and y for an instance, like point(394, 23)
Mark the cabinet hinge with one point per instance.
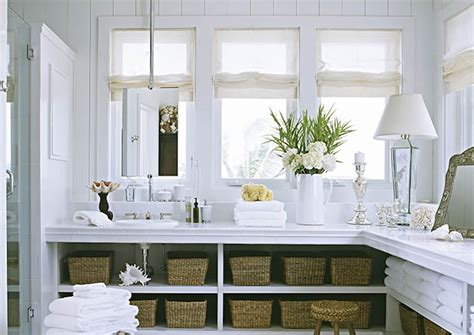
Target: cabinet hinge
point(31, 313)
point(30, 52)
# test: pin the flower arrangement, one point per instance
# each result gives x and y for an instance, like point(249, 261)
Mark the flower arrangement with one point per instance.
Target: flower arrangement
point(309, 145)
point(169, 119)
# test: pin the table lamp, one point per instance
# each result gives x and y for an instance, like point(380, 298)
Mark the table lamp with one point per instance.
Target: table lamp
point(404, 119)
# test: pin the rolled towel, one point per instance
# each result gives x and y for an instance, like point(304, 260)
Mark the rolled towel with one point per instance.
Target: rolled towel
point(394, 274)
point(428, 303)
point(92, 218)
point(412, 269)
point(261, 223)
point(257, 206)
point(71, 323)
point(393, 284)
point(83, 307)
point(451, 301)
point(454, 318)
point(109, 293)
point(410, 293)
point(430, 276)
point(471, 309)
point(429, 289)
point(265, 215)
point(412, 282)
point(450, 284)
point(395, 263)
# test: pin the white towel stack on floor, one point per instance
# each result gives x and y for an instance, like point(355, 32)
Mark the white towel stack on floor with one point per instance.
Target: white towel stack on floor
point(439, 294)
point(92, 310)
point(260, 214)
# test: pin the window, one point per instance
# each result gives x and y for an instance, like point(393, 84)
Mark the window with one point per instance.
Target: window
point(255, 71)
point(357, 70)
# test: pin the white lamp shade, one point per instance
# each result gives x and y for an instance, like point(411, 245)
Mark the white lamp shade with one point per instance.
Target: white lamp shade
point(405, 114)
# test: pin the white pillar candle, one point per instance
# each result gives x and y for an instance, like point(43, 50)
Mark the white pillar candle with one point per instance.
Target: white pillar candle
point(359, 157)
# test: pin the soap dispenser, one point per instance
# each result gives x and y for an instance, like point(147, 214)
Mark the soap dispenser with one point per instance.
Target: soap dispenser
point(206, 212)
point(196, 212)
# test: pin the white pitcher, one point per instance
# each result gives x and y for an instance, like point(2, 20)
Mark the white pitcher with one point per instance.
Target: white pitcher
point(310, 200)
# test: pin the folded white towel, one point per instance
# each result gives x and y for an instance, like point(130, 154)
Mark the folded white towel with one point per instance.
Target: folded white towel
point(412, 269)
point(395, 263)
point(451, 301)
point(428, 303)
point(83, 307)
point(393, 284)
point(261, 223)
point(450, 284)
point(112, 324)
point(429, 289)
point(471, 330)
point(410, 293)
point(430, 276)
point(471, 309)
point(398, 275)
point(272, 206)
point(89, 287)
point(454, 318)
point(412, 282)
point(57, 331)
point(108, 293)
point(265, 215)
point(92, 218)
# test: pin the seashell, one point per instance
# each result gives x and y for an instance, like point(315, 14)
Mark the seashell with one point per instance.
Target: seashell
point(103, 186)
point(132, 275)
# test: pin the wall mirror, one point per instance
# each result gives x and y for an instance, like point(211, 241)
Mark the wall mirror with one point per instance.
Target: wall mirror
point(147, 133)
point(456, 207)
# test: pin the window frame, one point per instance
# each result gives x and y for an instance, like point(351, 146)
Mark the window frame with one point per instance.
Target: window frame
point(203, 174)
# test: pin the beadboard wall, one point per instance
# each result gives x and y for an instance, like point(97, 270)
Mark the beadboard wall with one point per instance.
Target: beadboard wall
point(75, 21)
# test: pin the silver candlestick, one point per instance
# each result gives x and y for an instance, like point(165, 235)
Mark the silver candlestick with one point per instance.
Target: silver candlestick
point(360, 187)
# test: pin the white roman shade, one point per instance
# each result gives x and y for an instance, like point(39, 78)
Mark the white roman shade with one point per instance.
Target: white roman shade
point(458, 62)
point(174, 60)
point(358, 63)
point(256, 63)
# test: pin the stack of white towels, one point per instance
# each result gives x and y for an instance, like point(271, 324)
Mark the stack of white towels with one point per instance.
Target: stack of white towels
point(91, 218)
point(260, 214)
point(471, 316)
point(439, 294)
point(92, 310)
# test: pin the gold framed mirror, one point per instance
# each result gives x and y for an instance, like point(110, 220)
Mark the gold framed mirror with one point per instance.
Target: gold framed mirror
point(457, 203)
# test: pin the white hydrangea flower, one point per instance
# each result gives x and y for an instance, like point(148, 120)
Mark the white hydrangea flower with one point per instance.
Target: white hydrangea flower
point(296, 162)
point(319, 147)
point(329, 162)
point(288, 157)
point(312, 160)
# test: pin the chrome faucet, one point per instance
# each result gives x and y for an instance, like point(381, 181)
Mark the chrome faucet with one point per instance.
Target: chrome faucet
point(162, 215)
point(150, 187)
point(134, 215)
point(147, 216)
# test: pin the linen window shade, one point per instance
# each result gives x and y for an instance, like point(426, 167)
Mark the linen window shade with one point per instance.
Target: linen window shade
point(458, 62)
point(174, 60)
point(358, 63)
point(256, 63)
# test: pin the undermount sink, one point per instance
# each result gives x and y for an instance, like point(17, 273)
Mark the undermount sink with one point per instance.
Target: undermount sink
point(156, 224)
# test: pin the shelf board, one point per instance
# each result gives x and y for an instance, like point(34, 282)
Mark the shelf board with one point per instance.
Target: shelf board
point(13, 330)
point(159, 286)
point(177, 331)
point(13, 288)
point(427, 314)
point(280, 288)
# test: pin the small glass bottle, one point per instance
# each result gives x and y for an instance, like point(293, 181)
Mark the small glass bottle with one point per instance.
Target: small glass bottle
point(130, 193)
point(188, 208)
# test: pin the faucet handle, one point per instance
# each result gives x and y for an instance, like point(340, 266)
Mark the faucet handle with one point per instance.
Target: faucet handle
point(134, 215)
point(147, 216)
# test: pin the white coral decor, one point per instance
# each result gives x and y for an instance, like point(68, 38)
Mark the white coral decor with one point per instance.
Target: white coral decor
point(132, 275)
point(316, 158)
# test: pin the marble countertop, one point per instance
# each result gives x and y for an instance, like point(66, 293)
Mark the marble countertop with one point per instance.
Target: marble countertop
point(453, 258)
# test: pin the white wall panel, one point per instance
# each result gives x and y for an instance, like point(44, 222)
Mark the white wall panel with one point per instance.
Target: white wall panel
point(400, 7)
point(238, 7)
point(193, 7)
point(307, 7)
point(215, 7)
point(330, 7)
point(57, 17)
point(169, 7)
point(261, 7)
point(142, 7)
point(124, 7)
point(284, 7)
point(353, 7)
point(376, 7)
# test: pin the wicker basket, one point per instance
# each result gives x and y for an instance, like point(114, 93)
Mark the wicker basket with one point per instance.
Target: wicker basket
point(90, 267)
point(433, 329)
point(303, 270)
point(346, 271)
point(146, 312)
point(251, 313)
point(187, 268)
point(363, 318)
point(412, 322)
point(250, 270)
point(296, 315)
point(186, 314)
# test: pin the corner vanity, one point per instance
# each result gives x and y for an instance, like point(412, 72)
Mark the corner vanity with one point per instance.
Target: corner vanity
point(218, 239)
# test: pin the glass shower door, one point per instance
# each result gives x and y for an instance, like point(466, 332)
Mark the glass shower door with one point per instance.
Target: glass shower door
point(17, 175)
